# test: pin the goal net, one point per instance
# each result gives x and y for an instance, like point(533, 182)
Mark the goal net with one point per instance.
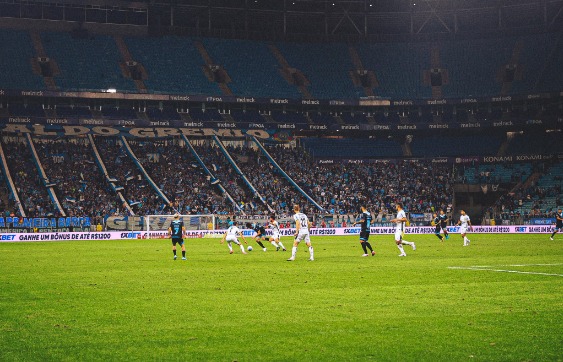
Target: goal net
point(160, 223)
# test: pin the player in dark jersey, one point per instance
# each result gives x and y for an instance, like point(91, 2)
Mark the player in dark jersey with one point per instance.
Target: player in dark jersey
point(558, 223)
point(365, 222)
point(176, 231)
point(444, 223)
point(260, 234)
point(438, 227)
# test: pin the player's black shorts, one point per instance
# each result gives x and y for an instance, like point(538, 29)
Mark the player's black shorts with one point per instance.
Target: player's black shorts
point(437, 229)
point(559, 226)
point(444, 225)
point(177, 241)
point(364, 235)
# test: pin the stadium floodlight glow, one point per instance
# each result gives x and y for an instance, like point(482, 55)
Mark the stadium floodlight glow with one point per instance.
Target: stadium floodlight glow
point(111, 90)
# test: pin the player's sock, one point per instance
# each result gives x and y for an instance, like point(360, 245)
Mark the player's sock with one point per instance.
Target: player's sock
point(553, 234)
point(281, 245)
point(261, 245)
point(369, 246)
point(274, 244)
point(174, 251)
point(364, 247)
point(438, 236)
point(400, 246)
point(183, 253)
point(293, 252)
point(311, 252)
point(404, 242)
point(242, 248)
point(230, 246)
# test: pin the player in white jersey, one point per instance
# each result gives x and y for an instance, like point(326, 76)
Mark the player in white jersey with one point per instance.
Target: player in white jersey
point(465, 223)
point(302, 226)
point(275, 238)
point(400, 222)
point(231, 236)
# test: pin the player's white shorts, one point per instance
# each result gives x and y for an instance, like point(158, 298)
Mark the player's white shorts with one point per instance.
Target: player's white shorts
point(300, 237)
point(232, 238)
point(463, 230)
point(398, 234)
point(275, 236)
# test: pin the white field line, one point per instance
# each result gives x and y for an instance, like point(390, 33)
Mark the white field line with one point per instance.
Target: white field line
point(506, 270)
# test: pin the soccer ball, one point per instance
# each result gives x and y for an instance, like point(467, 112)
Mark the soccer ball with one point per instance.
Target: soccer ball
point(249, 248)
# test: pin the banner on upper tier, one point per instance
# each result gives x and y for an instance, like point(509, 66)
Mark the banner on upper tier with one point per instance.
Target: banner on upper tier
point(122, 235)
point(237, 131)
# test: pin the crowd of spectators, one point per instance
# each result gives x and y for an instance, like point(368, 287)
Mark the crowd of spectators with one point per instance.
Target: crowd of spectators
point(272, 185)
point(80, 186)
point(176, 172)
point(141, 197)
point(29, 185)
point(341, 188)
point(241, 193)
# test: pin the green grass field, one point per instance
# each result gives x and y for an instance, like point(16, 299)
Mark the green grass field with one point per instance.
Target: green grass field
point(128, 300)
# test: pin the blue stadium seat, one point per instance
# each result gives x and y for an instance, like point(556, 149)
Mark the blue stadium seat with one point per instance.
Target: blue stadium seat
point(15, 57)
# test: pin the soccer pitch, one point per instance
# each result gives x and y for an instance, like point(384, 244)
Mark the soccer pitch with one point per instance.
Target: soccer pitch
point(499, 299)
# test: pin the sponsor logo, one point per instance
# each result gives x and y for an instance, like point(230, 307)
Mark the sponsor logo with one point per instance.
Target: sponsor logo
point(501, 99)
point(439, 160)
point(317, 126)
point(466, 159)
point(497, 159)
point(355, 126)
point(336, 103)
point(437, 101)
point(403, 103)
point(7, 237)
point(160, 123)
point(193, 124)
point(256, 125)
point(57, 120)
point(407, 126)
point(131, 235)
point(436, 126)
point(534, 96)
point(93, 122)
point(352, 231)
point(534, 121)
point(2, 92)
point(286, 125)
point(246, 100)
point(279, 101)
point(226, 125)
point(31, 93)
point(326, 161)
point(469, 100)
point(503, 123)
point(19, 120)
point(470, 125)
point(179, 98)
point(214, 99)
point(310, 101)
point(521, 229)
point(381, 127)
point(125, 122)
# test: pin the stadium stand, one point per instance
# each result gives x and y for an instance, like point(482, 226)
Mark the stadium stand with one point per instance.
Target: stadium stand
point(173, 65)
point(326, 67)
point(352, 148)
point(16, 55)
point(470, 145)
point(137, 191)
point(80, 186)
point(178, 175)
point(497, 173)
point(399, 68)
point(253, 70)
point(86, 64)
point(31, 190)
